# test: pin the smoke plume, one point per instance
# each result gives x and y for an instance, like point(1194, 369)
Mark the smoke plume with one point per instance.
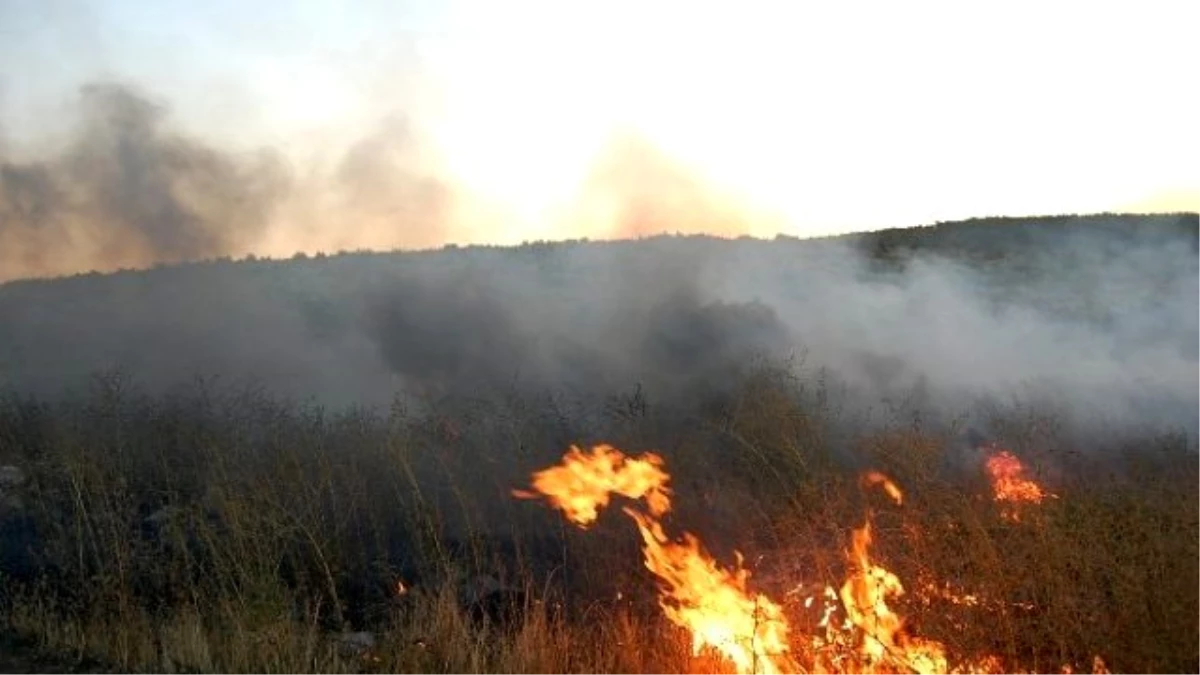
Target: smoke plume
point(127, 191)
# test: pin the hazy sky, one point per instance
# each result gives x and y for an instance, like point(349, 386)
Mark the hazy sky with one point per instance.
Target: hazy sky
point(812, 117)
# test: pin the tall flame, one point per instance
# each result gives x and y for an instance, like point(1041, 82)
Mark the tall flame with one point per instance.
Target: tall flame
point(713, 603)
point(885, 641)
point(696, 593)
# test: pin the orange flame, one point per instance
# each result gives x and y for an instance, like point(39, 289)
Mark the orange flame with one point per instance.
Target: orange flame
point(871, 478)
point(1009, 484)
point(873, 638)
point(582, 484)
point(885, 641)
point(696, 593)
point(714, 604)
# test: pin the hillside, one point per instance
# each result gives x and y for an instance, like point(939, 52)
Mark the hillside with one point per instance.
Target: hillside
point(1038, 298)
point(964, 448)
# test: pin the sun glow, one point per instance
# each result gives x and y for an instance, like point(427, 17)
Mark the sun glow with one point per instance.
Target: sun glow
point(471, 122)
point(809, 120)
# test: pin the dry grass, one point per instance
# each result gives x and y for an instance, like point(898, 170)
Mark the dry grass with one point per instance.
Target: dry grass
point(225, 531)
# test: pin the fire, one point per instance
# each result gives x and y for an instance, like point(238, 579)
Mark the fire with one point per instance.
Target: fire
point(1009, 484)
point(865, 595)
point(713, 603)
point(875, 478)
point(884, 642)
point(696, 593)
point(582, 484)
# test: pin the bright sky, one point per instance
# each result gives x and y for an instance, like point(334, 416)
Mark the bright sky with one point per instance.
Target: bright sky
point(818, 117)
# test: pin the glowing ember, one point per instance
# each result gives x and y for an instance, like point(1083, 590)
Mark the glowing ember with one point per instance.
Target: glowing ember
point(1009, 484)
point(929, 590)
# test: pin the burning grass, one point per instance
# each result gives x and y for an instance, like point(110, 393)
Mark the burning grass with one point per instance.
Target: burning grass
point(218, 530)
point(1010, 486)
point(708, 601)
point(749, 630)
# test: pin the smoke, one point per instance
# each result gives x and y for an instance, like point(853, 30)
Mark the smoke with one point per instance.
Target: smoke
point(529, 320)
point(1096, 317)
point(381, 178)
point(126, 191)
point(1090, 320)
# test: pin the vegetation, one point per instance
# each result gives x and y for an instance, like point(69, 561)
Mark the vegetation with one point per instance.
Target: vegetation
point(223, 530)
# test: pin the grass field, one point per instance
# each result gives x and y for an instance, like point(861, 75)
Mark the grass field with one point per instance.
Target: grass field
point(223, 530)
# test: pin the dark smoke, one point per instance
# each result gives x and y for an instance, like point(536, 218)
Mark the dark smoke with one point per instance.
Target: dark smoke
point(182, 199)
point(128, 191)
point(501, 327)
point(446, 335)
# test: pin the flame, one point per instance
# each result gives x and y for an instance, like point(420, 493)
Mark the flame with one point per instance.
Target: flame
point(713, 603)
point(1009, 484)
point(885, 641)
point(696, 593)
point(871, 478)
point(582, 484)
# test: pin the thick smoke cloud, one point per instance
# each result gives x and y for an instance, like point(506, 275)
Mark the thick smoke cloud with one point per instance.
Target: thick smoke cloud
point(1095, 327)
point(1098, 318)
point(1108, 326)
point(508, 325)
